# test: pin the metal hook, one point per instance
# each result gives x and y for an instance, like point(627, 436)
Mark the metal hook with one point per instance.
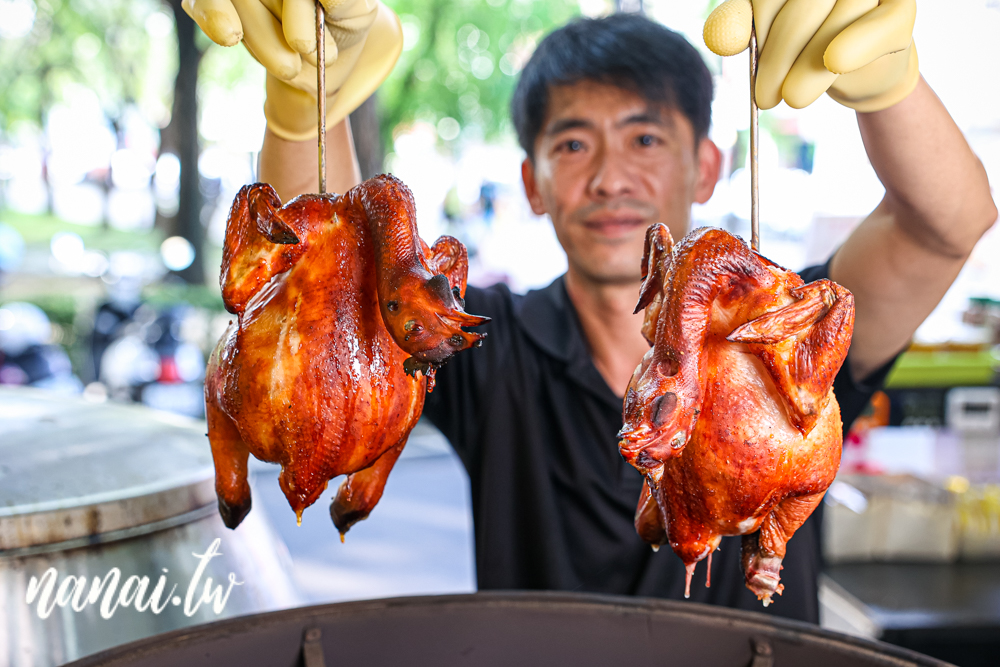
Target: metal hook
point(754, 169)
point(321, 91)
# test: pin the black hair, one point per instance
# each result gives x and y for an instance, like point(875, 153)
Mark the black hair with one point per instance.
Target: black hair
point(625, 50)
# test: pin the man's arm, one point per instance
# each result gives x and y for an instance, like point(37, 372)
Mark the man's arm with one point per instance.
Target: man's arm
point(292, 168)
point(904, 256)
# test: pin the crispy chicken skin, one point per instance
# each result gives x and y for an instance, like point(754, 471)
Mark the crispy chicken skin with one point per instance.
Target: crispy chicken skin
point(731, 415)
point(343, 315)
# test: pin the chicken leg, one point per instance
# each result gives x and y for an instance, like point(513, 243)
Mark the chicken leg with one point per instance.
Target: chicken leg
point(361, 491)
point(230, 455)
point(763, 551)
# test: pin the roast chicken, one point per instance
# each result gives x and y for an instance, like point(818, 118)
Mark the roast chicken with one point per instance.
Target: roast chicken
point(731, 416)
point(343, 316)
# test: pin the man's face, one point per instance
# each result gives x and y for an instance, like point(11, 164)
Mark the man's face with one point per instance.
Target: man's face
point(607, 165)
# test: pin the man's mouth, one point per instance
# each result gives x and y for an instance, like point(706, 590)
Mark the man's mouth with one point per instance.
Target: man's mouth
point(616, 226)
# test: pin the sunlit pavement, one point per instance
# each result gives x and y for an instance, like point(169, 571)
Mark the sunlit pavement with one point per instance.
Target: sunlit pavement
point(418, 540)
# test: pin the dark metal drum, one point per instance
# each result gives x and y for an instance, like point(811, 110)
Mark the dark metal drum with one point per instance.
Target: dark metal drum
point(504, 629)
point(109, 531)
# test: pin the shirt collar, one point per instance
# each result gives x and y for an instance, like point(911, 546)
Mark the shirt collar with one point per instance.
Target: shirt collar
point(548, 318)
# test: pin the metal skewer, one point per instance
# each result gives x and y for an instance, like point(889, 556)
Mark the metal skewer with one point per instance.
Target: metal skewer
point(321, 91)
point(754, 171)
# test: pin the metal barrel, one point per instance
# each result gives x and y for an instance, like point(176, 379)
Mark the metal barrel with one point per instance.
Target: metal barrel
point(90, 490)
point(513, 628)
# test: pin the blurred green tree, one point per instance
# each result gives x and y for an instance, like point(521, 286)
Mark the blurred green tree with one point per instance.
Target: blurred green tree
point(460, 62)
point(95, 43)
point(457, 72)
point(104, 46)
point(180, 137)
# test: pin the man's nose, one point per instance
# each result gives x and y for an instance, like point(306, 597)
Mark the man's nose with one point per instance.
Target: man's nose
point(611, 177)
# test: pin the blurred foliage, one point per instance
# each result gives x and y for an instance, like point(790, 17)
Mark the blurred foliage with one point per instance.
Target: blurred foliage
point(225, 67)
point(113, 47)
point(100, 44)
point(38, 229)
point(163, 295)
point(61, 309)
point(461, 59)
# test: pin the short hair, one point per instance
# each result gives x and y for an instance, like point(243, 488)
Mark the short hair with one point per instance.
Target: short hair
point(625, 50)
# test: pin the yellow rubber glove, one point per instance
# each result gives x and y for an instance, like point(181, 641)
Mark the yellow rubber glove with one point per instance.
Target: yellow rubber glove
point(227, 22)
point(363, 42)
point(860, 52)
point(347, 23)
point(362, 62)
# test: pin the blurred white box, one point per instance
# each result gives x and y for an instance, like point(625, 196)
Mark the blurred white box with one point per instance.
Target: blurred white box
point(902, 450)
point(974, 410)
point(978, 510)
point(889, 518)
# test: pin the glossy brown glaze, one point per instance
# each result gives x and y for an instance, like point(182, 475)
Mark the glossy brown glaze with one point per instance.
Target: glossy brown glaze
point(731, 415)
point(309, 376)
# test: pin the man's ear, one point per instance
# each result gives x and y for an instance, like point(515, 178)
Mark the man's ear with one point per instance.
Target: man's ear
point(531, 187)
point(709, 164)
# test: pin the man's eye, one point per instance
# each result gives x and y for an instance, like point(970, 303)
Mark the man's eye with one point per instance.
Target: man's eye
point(648, 140)
point(573, 145)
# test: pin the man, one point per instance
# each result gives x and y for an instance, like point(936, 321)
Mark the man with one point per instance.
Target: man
point(613, 115)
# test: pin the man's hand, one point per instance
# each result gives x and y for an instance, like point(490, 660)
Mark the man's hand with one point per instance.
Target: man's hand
point(861, 52)
point(367, 47)
point(363, 42)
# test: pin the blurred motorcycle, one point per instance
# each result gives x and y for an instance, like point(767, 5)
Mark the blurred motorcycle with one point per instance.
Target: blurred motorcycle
point(144, 356)
point(27, 357)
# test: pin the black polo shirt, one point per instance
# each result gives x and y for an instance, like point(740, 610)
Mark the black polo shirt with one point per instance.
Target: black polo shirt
point(553, 501)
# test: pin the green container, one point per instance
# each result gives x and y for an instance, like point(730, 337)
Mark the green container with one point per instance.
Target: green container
point(920, 368)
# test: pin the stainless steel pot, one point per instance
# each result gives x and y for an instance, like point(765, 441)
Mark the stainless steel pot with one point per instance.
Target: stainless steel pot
point(524, 629)
point(91, 490)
